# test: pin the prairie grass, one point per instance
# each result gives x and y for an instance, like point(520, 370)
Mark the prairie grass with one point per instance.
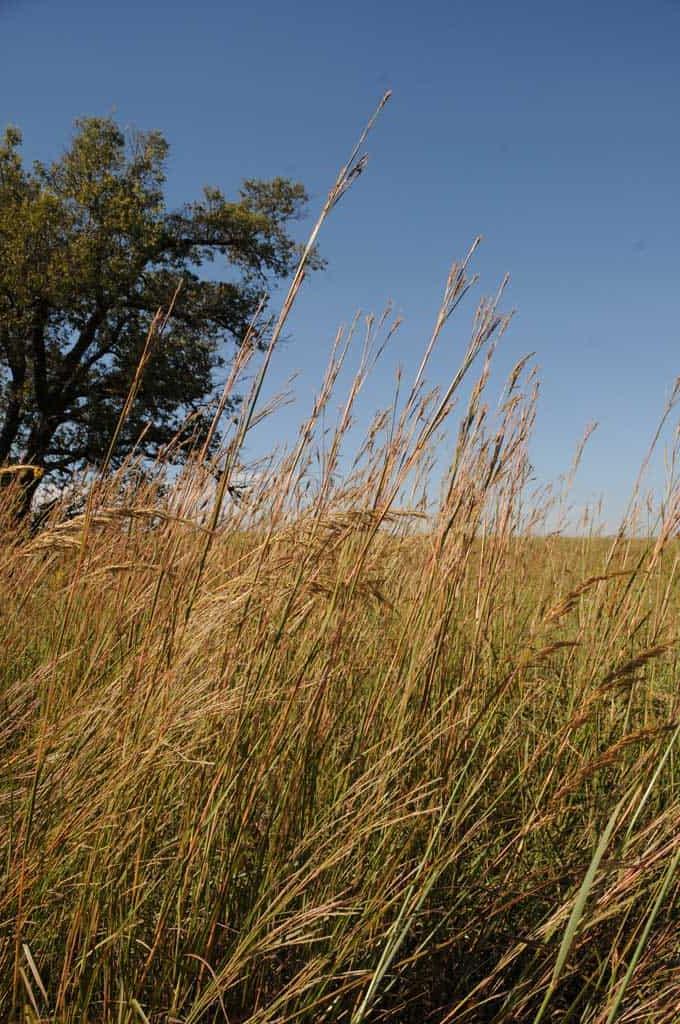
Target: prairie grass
point(320, 741)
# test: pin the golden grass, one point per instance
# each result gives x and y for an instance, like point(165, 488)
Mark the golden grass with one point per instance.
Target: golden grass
point(330, 749)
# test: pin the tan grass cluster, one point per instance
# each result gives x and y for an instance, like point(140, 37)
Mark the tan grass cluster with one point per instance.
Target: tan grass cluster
point(332, 746)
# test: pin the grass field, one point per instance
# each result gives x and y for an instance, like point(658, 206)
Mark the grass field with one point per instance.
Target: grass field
point(325, 741)
point(324, 749)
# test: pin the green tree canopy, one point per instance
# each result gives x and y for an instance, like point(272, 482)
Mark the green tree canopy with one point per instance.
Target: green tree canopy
point(88, 253)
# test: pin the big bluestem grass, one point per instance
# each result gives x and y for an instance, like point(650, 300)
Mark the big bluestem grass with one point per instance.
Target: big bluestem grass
point(338, 737)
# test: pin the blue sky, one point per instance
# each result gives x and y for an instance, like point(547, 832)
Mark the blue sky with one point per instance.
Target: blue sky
point(549, 128)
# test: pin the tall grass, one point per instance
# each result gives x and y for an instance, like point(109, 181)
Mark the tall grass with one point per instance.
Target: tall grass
point(318, 742)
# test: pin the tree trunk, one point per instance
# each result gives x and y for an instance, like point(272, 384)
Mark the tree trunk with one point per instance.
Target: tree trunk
point(27, 482)
point(10, 426)
point(15, 403)
point(23, 488)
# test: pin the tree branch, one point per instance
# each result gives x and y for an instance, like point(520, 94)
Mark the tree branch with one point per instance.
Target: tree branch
point(75, 354)
point(13, 411)
point(37, 343)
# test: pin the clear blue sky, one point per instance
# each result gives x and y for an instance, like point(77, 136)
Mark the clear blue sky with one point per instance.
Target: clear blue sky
point(550, 128)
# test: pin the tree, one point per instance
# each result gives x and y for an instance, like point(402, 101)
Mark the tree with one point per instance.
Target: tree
point(88, 253)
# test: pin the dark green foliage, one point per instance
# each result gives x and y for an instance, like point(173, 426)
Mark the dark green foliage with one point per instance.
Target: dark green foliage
point(88, 253)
